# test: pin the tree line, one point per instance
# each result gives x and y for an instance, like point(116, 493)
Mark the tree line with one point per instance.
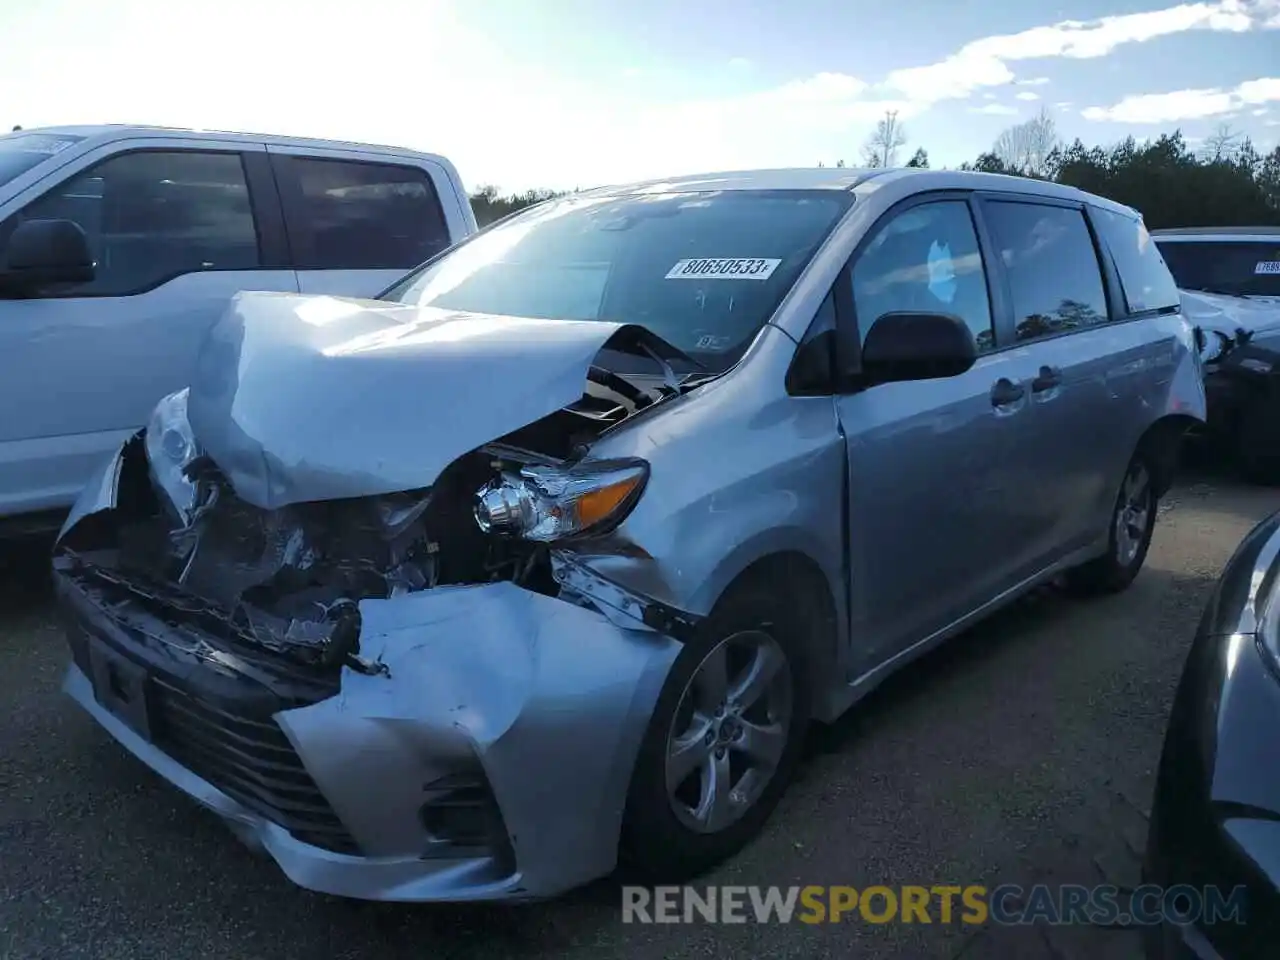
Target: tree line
point(1226, 182)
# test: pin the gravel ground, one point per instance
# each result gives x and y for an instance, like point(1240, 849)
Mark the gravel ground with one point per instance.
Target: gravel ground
point(1021, 752)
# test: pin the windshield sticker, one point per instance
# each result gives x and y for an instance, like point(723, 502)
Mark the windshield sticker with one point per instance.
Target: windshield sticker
point(1267, 267)
point(722, 268)
point(36, 143)
point(942, 272)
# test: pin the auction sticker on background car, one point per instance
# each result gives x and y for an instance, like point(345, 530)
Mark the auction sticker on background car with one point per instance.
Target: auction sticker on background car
point(1267, 267)
point(737, 268)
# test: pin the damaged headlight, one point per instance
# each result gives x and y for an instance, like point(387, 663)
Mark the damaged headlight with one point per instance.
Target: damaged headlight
point(171, 446)
point(551, 503)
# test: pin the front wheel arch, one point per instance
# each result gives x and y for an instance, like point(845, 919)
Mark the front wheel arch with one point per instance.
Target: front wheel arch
point(798, 575)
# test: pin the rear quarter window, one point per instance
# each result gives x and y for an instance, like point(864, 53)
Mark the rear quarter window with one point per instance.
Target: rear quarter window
point(1145, 280)
point(360, 215)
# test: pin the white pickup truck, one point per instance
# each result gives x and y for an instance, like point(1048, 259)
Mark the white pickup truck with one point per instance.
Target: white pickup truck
point(121, 246)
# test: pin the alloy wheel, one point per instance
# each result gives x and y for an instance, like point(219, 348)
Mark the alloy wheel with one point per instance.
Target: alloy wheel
point(1133, 513)
point(731, 729)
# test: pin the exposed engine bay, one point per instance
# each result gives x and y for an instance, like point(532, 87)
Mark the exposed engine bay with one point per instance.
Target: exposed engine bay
point(182, 544)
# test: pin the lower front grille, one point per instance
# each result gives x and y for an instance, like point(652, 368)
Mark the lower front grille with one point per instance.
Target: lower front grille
point(251, 760)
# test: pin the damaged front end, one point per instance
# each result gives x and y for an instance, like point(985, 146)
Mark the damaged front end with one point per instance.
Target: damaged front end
point(380, 690)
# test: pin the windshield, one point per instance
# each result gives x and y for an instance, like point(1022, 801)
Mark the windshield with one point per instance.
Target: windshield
point(704, 270)
point(1240, 268)
point(19, 152)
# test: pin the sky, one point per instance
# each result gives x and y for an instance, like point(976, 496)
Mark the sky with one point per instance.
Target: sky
point(576, 93)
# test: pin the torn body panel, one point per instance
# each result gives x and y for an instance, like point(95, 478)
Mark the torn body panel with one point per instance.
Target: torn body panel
point(477, 744)
point(304, 399)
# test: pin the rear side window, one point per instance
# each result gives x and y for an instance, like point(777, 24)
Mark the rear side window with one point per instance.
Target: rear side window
point(1144, 278)
point(1053, 271)
point(356, 215)
point(154, 215)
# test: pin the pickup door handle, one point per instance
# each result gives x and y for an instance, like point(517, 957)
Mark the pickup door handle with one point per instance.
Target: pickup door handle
point(1049, 378)
point(1005, 392)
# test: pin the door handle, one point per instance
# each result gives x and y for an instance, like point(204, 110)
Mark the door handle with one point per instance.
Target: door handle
point(1048, 378)
point(1005, 392)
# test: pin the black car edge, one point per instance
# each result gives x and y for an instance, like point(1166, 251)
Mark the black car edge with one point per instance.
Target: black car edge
point(1242, 387)
point(1215, 817)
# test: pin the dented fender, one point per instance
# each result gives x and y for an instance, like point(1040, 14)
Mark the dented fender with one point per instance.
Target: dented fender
point(552, 699)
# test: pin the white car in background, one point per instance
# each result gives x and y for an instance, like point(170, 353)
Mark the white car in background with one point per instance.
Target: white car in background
point(1229, 278)
point(121, 246)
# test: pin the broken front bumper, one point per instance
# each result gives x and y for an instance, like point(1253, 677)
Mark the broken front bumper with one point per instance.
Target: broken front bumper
point(488, 756)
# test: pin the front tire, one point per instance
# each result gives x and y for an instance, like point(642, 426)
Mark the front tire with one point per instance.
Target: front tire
point(1133, 520)
point(723, 742)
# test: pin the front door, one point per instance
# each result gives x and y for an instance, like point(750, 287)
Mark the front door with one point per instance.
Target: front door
point(932, 463)
point(175, 232)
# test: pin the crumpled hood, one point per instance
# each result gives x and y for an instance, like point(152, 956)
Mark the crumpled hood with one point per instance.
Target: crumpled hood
point(1213, 311)
point(300, 398)
point(1221, 314)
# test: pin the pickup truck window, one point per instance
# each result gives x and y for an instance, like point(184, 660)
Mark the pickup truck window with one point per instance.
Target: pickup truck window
point(359, 215)
point(153, 215)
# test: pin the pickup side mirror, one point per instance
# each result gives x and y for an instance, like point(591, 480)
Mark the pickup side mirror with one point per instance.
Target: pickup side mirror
point(43, 253)
point(917, 346)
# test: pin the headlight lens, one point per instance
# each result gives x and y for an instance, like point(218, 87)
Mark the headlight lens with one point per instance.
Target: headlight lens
point(170, 447)
point(550, 503)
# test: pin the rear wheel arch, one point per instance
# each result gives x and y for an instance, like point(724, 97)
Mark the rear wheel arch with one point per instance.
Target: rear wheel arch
point(1160, 446)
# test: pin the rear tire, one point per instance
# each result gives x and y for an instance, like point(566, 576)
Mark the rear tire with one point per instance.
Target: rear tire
point(695, 797)
point(1133, 520)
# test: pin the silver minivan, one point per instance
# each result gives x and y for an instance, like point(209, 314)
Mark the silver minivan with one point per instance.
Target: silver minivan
point(546, 558)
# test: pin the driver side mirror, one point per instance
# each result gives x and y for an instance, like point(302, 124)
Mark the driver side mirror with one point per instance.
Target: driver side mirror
point(44, 253)
point(917, 346)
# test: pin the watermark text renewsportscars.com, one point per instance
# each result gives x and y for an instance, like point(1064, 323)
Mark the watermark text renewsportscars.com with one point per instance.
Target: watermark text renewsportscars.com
point(1007, 904)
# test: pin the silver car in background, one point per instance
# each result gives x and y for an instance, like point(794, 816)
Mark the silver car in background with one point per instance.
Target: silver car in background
point(546, 559)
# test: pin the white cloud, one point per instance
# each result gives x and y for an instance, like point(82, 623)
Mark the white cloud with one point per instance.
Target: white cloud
point(1264, 90)
point(988, 96)
point(1260, 112)
point(985, 62)
point(1187, 104)
point(1063, 104)
point(1028, 95)
point(996, 110)
point(741, 63)
point(510, 115)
